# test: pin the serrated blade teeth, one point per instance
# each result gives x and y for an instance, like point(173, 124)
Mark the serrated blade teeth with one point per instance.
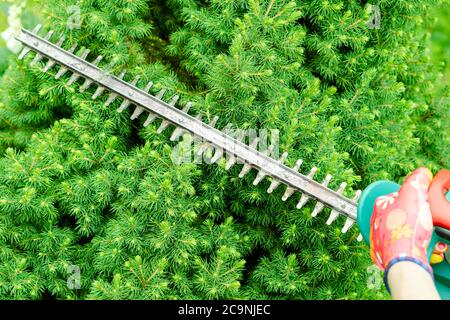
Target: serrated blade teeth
point(122, 74)
point(333, 216)
point(138, 110)
point(213, 122)
point(163, 126)
point(160, 94)
point(24, 52)
point(62, 70)
point(165, 123)
point(261, 174)
point(39, 56)
point(179, 131)
point(230, 158)
point(87, 83)
point(60, 40)
point(73, 78)
point(27, 50)
point(126, 103)
point(174, 100)
point(304, 198)
point(217, 155)
point(273, 185)
point(283, 157)
point(98, 92)
point(148, 86)
point(48, 35)
point(97, 60)
point(72, 48)
point(341, 187)
point(135, 80)
point(85, 53)
point(176, 134)
point(245, 169)
point(36, 59)
point(202, 148)
point(206, 145)
point(112, 96)
point(319, 206)
point(348, 224)
point(36, 28)
point(317, 209)
point(297, 165)
point(230, 162)
point(268, 151)
point(327, 180)
point(312, 172)
point(227, 129)
point(248, 155)
point(357, 195)
point(151, 117)
point(187, 107)
point(254, 143)
point(289, 191)
point(259, 177)
point(51, 62)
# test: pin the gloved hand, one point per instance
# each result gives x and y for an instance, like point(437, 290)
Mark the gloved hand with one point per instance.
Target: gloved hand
point(401, 225)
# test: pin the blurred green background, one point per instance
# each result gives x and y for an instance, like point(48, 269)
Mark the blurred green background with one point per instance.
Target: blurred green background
point(440, 40)
point(30, 18)
point(439, 44)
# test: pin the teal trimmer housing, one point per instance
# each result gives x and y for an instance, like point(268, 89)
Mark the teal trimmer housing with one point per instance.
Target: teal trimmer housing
point(365, 209)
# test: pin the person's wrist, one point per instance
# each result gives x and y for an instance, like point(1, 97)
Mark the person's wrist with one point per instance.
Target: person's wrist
point(405, 269)
point(401, 260)
point(405, 277)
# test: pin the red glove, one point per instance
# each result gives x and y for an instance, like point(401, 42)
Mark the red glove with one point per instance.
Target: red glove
point(401, 225)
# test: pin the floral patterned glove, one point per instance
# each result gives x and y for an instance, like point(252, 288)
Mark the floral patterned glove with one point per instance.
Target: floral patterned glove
point(401, 225)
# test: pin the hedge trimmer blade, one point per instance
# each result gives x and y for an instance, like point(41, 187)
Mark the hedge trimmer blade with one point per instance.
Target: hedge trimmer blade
point(225, 145)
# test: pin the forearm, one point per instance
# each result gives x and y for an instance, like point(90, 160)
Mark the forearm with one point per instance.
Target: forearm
point(409, 281)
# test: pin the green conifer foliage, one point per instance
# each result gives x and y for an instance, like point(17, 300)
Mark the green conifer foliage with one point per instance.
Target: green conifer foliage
point(82, 186)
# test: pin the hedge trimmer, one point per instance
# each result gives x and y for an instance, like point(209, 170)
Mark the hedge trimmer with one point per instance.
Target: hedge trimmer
point(233, 149)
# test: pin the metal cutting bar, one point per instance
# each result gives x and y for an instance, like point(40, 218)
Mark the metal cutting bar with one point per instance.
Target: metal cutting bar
point(181, 119)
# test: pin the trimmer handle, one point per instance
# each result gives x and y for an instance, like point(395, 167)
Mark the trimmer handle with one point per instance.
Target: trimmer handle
point(440, 210)
point(439, 205)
